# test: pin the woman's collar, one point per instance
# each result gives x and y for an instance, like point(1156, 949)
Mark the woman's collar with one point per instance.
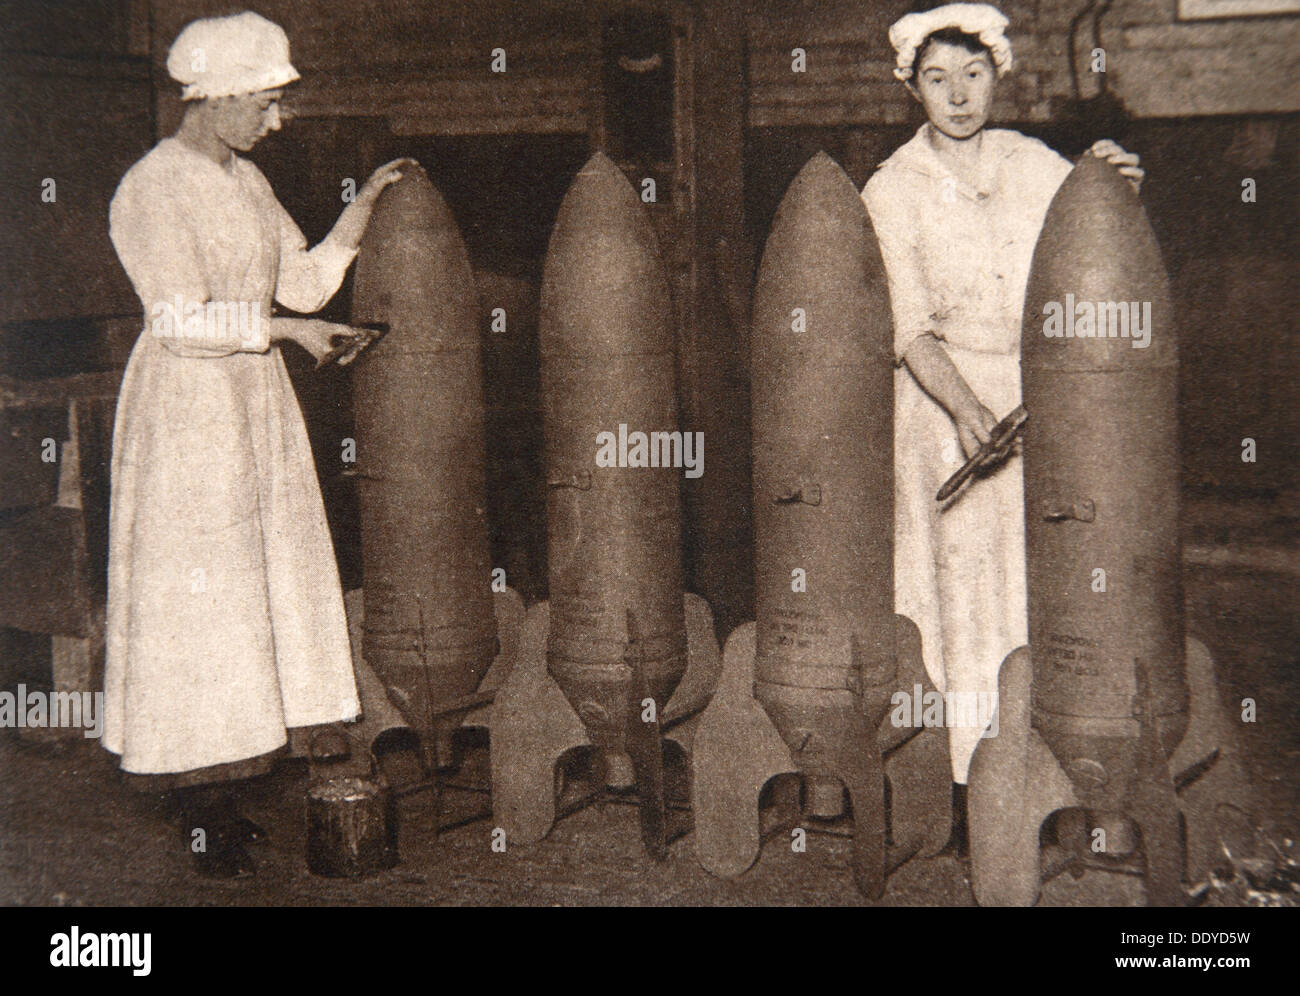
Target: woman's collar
point(918, 155)
point(229, 169)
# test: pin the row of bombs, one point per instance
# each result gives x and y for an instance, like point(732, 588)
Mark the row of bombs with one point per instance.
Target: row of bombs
point(623, 662)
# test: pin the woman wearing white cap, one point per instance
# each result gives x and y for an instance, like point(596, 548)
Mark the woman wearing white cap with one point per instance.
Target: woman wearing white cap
point(958, 210)
point(225, 615)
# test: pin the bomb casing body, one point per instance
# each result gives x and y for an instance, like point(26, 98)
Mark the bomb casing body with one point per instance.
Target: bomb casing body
point(1101, 466)
point(1111, 717)
point(806, 688)
point(617, 631)
point(430, 632)
point(823, 415)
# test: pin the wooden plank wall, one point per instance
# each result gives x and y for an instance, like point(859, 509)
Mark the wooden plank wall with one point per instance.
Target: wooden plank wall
point(425, 67)
point(1159, 66)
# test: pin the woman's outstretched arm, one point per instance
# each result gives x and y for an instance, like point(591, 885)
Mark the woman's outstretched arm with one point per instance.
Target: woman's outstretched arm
point(934, 370)
point(308, 278)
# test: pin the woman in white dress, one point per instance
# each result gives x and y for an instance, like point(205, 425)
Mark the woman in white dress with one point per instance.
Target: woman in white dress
point(225, 614)
point(958, 210)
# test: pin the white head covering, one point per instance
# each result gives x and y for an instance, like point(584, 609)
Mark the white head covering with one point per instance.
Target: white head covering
point(980, 19)
point(222, 56)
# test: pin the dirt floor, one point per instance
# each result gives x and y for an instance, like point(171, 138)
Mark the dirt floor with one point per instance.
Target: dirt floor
point(73, 835)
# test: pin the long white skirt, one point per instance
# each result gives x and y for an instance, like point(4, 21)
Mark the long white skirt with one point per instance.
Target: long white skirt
point(225, 615)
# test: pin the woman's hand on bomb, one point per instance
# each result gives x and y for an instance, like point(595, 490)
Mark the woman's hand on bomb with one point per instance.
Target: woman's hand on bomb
point(1125, 162)
point(356, 216)
point(388, 173)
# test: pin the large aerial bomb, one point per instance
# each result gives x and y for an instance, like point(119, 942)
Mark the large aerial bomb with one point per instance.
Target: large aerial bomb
point(430, 629)
point(1110, 715)
point(600, 661)
point(807, 688)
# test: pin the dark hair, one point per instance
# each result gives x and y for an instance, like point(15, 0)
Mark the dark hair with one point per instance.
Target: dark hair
point(950, 36)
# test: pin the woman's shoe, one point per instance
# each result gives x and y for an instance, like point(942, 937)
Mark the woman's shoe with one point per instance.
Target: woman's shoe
point(958, 840)
point(214, 810)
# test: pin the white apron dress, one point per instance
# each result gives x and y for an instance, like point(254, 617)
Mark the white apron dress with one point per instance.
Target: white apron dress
point(225, 615)
point(957, 258)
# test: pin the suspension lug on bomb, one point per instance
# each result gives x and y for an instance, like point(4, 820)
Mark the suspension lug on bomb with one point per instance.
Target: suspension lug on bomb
point(618, 629)
point(806, 688)
point(1110, 701)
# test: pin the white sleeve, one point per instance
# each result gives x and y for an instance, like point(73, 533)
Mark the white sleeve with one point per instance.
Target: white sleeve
point(308, 278)
point(909, 297)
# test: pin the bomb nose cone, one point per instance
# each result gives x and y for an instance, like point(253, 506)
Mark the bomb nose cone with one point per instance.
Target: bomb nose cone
point(408, 195)
point(820, 210)
point(412, 204)
point(598, 186)
point(1098, 248)
point(413, 272)
point(822, 256)
point(821, 189)
point(604, 290)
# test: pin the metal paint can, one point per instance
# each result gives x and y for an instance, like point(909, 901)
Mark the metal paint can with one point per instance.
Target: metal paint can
point(351, 827)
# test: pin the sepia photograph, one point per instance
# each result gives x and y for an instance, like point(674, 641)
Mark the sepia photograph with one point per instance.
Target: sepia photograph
point(643, 453)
